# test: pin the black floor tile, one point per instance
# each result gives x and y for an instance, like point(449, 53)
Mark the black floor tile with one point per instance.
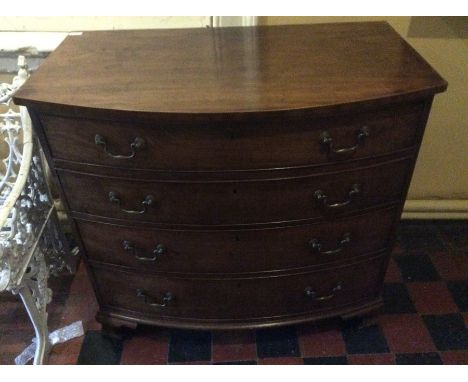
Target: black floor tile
point(420, 237)
point(61, 287)
point(98, 349)
point(417, 268)
point(252, 362)
point(448, 331)
point(459, 292)
point(456, 232)
point(280, 342)
point(418, 359)
point(397, 299)
point(352, 323)
point(326, 361)
point(365, 340)
point(189, 346)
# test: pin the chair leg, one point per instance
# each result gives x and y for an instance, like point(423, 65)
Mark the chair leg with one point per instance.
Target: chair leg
point(36, 295)
point(39, 320)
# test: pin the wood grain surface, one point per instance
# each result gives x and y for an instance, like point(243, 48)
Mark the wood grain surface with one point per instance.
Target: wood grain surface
point(230, 70)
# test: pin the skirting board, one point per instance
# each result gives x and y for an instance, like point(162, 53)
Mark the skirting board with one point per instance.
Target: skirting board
point(436, 209)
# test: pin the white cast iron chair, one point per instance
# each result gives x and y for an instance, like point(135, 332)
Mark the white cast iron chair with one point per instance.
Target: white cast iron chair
point(32, 244)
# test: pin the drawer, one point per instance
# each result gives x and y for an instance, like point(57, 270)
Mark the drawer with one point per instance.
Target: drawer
point(237, 251)
point(228, 144)
point(234, 203)
point(239, 298)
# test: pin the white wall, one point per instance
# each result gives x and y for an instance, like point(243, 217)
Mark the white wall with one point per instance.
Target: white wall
point(45, 33)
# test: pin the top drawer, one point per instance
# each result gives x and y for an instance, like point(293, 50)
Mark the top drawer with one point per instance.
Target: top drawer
point(273, 142)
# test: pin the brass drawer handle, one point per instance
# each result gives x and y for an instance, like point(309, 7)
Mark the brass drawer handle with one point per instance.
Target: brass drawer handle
point(314, 245)
point(327, 141)
point(310, 293)
point(166, 299)
point(322, 198)
point(114, 198)
point(157, 251)
point(137, 143)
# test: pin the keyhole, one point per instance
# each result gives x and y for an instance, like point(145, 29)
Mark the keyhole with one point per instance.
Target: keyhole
point(234, 191)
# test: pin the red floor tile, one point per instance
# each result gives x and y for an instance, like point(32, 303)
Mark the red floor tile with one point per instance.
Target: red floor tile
point(371, 359)
point(320, 341)
point(13, 342)
point(281, 361)
point(146, 348)
point(76, 308)
point(6, 297)
point(66, 353)
point(454, 357)
point(406, 333)
point(432, 297)
point(233, 346)
point(81, 285)
point(451, 265)
point(80, 304)
point(13, 315)
point(84, 310)
point(83, 301)
point(397, 249)
point(16, 335)
point(393, 274)
point(7, 358)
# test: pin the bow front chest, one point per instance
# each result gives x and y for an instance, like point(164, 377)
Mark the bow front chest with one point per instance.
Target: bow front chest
point(233, 177)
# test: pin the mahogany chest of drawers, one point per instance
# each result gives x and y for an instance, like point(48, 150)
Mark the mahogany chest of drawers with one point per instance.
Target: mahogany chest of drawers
point(234, 177)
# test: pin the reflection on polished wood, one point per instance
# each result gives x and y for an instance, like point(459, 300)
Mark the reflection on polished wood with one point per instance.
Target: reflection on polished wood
point(231, 70)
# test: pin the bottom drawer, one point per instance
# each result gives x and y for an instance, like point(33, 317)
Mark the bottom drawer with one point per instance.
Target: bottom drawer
point(239, 298)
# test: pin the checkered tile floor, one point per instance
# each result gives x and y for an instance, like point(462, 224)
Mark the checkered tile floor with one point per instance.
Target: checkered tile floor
point(424, 321)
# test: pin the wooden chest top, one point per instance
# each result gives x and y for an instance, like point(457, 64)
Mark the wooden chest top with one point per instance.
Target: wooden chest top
point(230, 70)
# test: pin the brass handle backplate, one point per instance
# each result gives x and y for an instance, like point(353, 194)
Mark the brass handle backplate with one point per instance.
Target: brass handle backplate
point(137, 143)
point(159, 250)
point(167, 298)
point(315, 245)
point(148, 201)
point(327, 141)
point(311, 293)
point(322, 198)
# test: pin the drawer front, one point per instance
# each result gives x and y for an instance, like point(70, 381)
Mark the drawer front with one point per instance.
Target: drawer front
point(218, 203)
point(238, 298)
point(230, 145)
point(237, 251)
